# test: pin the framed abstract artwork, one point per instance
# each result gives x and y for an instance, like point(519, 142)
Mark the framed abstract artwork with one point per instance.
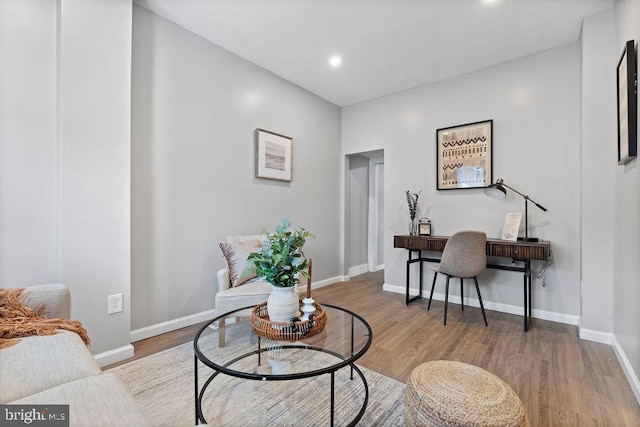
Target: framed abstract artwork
point(273, 155)
point(464, 156)
point(627, 105)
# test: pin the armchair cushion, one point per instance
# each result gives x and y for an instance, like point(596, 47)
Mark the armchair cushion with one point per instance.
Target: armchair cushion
point(236, 256)
point(236, 251)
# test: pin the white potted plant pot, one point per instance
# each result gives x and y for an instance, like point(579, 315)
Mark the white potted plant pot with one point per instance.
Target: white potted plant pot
point(282, 304)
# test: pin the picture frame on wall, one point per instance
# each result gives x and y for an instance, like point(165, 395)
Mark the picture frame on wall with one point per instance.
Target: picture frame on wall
point(627, 104)
point(273, 155)
point(464, 156)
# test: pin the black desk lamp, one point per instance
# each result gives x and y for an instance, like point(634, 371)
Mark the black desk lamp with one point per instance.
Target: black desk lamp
point(497, 191)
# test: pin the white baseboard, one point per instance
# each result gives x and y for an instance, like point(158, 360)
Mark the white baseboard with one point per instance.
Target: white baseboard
point(329, 281)
point(596, 336)
point(380, 267)
point(631, 375)
point(399, 289)
point(489, 305)
point(358, 270)
point(193, 319)
point(114, 356)
point(171, 325)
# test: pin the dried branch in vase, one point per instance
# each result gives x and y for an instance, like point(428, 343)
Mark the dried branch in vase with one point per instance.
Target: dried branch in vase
point(412, 201)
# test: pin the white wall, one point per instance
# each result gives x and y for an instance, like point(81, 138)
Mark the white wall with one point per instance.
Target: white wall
point(28, 171)
point(598, 167)
point(194, 110)
point(64, 123)
point(535, 105)
point(626, 275)
point(94, 104)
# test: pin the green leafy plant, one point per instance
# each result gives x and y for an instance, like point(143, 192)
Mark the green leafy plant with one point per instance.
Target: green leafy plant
point(280, 259)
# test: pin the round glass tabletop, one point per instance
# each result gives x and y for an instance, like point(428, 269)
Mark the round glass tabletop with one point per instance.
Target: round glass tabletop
point(229, 345)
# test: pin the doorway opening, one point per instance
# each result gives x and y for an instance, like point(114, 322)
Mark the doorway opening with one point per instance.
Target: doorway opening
point(364, 212)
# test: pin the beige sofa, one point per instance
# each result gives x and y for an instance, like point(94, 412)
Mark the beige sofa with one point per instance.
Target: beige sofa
point(59, 369)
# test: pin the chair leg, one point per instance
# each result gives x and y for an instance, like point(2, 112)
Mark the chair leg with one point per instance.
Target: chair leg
point(461, 295)
point(446, 301)
point(221, 332)
point(433, 285)
point(480, 299)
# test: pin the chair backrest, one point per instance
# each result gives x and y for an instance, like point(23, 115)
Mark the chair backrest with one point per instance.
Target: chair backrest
point(465, 254)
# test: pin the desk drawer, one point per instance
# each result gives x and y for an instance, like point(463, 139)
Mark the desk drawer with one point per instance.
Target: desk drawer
point(420, 243)
point(516, 251)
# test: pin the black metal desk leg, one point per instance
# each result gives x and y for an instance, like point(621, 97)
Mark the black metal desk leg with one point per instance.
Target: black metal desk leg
point(408, 279)
point(527, 295)
point(410, 261)
point(420, 282)
point(530, 296)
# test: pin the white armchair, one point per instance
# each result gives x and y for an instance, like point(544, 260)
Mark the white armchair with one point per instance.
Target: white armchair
point(253, 292)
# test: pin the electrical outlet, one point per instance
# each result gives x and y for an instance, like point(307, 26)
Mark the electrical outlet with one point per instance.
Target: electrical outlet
point(114, 304)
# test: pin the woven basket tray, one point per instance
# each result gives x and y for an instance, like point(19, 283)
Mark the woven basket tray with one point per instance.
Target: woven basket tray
point(286, 331)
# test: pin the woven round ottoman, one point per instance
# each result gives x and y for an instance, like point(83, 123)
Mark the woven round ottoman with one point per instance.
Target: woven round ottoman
point(447, 393)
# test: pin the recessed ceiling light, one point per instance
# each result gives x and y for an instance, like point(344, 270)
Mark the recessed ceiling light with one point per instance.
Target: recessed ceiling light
point(489, 1)
point(335, 61)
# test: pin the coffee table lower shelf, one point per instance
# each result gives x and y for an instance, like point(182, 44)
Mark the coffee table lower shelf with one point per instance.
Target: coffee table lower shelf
point(199, 394)
point(338, 347)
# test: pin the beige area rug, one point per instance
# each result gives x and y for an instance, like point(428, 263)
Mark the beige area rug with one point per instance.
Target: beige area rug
point(163, 386)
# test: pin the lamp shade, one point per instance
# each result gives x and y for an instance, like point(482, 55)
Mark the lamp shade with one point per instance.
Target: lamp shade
point(496, 191)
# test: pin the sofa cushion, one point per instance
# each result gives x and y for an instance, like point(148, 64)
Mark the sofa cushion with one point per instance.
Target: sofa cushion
point(56, 299)
point(100, 400)
point(40, 362)
point(236, 254)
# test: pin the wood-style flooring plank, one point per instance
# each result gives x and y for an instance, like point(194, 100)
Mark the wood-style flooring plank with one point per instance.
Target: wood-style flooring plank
point(561, 379)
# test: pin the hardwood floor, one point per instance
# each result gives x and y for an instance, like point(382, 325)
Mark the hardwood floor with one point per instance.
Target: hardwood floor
point(561, 379)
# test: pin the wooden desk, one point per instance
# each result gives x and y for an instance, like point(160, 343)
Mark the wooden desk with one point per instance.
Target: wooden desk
point(520, 252)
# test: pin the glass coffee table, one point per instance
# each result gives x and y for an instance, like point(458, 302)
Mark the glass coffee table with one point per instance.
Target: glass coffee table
point(239, 354)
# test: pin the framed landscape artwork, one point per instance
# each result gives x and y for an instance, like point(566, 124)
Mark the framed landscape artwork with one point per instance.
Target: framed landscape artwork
point(464, 156)
point(273, 155)
point(627, 105)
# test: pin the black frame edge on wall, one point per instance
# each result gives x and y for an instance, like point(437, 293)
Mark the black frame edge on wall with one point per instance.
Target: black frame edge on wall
point(627, 90)
point(451, 143)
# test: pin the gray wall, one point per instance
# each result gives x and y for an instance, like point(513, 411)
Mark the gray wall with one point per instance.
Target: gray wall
point(65, 145)
point(626, 274)
point(28, 169)
point(358, 211)
point(598, 168)
point(194, 109)
point(535, 105)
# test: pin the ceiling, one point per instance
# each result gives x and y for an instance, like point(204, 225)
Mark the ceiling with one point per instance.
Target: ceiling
point(386, 46)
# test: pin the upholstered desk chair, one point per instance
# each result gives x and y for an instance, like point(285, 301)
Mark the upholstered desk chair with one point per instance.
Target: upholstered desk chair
point(464, 257)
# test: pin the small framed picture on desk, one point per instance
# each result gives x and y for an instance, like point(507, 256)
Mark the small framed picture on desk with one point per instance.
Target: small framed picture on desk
point(424, 227)
point(511, 226)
